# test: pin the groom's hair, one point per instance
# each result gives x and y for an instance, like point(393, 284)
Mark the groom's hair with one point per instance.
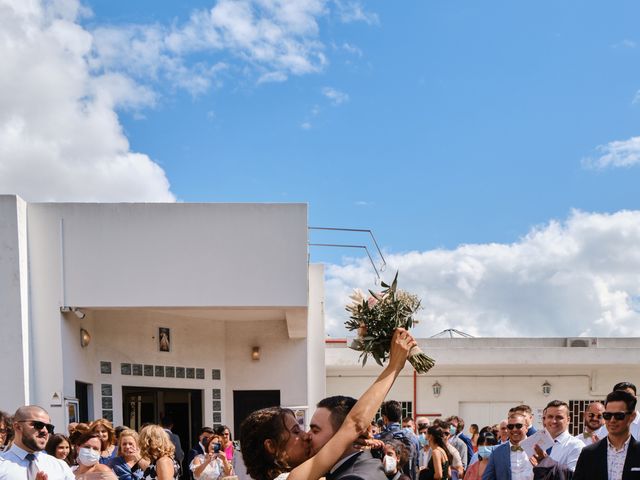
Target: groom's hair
point(339, 406)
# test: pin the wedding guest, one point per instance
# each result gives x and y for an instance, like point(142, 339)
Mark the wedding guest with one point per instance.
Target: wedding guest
point(59, 446)
point(128, 464)
point(89, 446)
point(486, 443)
point(213, 464)
point(227, 442)
point(395, 454)
point(156, 446)
point(105, 430)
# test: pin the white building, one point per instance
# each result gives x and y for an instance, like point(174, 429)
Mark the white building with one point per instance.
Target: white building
point(177, 303)
point(479, 379)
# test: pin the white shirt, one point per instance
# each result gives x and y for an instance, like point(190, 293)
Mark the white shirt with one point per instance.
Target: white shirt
point(13, 465)
point(566, 450)
point(586, 437)
point(521, 468)
point(615, 460)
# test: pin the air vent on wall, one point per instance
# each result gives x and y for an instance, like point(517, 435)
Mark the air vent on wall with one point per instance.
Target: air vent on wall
point(582, 342)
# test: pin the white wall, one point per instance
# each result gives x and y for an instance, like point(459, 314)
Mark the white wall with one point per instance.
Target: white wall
point(485, 374)
point(316, 371)
point(14, 304)
point(141, 255)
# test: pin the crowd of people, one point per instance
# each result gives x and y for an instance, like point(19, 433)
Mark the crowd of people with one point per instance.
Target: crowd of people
point(342, 443)
point(94, 451)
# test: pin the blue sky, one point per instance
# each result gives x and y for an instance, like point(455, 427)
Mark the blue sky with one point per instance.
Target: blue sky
point(465, 121)
point(437, 124)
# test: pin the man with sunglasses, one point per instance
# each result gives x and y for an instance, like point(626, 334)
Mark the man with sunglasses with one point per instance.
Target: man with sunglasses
point(593, 420)
point(616, 457)
point(26, 459)
point(635, 424)
point(509, 461)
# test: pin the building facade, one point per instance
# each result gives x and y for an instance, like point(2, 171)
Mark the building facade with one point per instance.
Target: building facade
point(131, 312)
point(479, 379)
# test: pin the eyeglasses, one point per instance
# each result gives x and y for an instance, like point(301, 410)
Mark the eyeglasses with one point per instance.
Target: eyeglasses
point(511, 426)
point(38, 425)
point(616, 415)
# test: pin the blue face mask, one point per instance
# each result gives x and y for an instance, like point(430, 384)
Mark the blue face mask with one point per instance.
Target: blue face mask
point(484, 451)
point(452, 430)
point(423, 439)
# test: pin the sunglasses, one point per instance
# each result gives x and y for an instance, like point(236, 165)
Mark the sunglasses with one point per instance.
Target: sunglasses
point(616, 415)
point(597, 416)
point(511, 426)
point(38, 425)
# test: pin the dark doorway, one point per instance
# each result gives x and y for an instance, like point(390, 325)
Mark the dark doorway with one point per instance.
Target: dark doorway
point(149, 405)
point(82, 394)
point(247, 401)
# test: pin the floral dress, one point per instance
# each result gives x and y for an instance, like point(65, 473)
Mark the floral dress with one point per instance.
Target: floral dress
point(150, 472)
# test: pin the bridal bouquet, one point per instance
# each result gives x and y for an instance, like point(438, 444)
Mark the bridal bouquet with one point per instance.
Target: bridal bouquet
point(376, 317)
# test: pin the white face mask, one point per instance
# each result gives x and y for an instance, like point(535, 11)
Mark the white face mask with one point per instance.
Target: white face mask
point(389, 464)
point(88, 456)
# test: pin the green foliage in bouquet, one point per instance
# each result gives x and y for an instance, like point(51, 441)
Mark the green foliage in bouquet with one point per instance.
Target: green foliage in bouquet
point(376, 317)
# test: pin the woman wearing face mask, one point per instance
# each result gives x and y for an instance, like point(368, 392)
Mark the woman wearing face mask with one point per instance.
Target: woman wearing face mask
point(394, 455)
point(89, 447)
point(486, 442)
point(128, 465)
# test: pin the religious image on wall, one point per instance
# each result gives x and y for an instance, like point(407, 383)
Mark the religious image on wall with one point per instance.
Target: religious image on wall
point(164, 339)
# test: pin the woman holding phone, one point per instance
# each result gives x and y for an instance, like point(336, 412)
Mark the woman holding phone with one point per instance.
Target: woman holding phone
point(213, 464)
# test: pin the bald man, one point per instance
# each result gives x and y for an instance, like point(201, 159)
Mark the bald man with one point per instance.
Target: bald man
point(593, 420)
point(26, 458)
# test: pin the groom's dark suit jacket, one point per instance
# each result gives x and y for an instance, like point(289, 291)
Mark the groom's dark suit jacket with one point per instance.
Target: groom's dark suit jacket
point(592, 463)
point(362, 466)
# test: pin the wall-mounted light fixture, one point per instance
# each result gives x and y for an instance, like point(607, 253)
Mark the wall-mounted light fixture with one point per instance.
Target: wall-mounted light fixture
point(255, 353)
point(546, 388)
point(85, 338)
point(437, 388)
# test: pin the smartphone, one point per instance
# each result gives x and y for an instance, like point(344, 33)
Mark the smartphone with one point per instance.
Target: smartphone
point(216, 448)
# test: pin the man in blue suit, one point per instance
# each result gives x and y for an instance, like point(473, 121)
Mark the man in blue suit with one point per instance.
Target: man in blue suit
point(508, 461)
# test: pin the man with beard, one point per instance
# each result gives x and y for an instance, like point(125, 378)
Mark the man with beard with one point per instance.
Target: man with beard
point(355, 464)
point(26, 458)
point(593, 420)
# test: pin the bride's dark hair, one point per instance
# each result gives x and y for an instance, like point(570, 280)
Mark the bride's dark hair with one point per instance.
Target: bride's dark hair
point(262, 425)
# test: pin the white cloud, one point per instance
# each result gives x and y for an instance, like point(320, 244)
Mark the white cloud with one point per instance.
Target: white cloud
point(353, 11)
point(306, 125)
point(636, 98)
point(579, 277)
point(619, 153)
point(60, 138)
point(335, 96)
point(626, 43)
point(354, 50)
point(275, 38)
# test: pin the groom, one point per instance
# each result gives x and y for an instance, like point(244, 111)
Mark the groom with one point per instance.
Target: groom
point(354, 464)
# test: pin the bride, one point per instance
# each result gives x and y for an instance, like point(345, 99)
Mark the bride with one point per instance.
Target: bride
point(273, 443)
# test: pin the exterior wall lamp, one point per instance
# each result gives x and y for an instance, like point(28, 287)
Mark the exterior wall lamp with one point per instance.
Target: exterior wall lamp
point(255, 353)
point(437, 388)
point(546, 388)
point(85, 338)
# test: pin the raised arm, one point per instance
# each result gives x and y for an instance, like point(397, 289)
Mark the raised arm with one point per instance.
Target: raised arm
point(360, 416)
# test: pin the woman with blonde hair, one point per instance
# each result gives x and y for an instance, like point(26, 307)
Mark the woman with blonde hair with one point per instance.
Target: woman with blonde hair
point(128, 464)
point(156, 447)
point(107, 434)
